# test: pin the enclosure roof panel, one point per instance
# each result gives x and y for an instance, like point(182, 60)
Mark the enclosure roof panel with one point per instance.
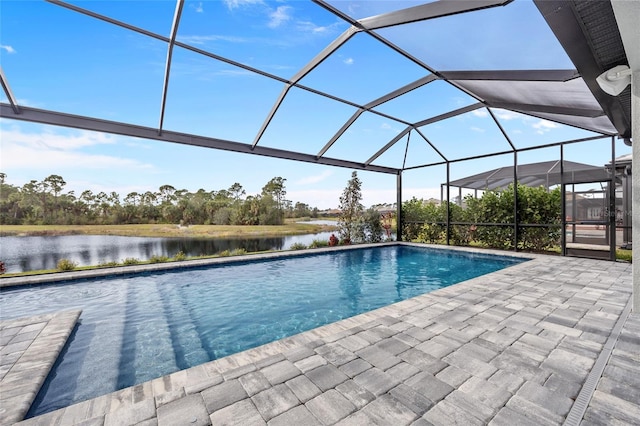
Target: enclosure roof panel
point(346, 83)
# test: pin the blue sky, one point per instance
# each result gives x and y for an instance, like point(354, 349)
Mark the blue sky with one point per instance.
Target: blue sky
point(61, 60)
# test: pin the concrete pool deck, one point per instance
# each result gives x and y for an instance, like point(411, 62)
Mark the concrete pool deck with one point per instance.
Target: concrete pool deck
point(542, 342)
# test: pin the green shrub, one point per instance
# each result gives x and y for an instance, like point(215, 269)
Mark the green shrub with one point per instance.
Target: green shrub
point(158, 259)
point(130, 261)
point(238, 252)
point(224, 253)
point(66, 265)
point(297, 246)
point(107, 264)
point(318, 244)
point(179, 256)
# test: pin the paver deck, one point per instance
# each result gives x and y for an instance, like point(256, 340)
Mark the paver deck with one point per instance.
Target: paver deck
point(513, 347)
point(28, 349)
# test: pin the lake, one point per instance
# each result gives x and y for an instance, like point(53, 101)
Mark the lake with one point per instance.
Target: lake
point(21, 254)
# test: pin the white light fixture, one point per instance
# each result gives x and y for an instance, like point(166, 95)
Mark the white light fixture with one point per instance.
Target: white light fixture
point(615, 80)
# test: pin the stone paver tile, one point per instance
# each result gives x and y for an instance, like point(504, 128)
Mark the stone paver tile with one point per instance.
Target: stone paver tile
point(330, 407)
point(168, 397)
point(509, 381)
point(563, 386)
point(429, 386)
point(378, 357)
point(326, 377)
point(453, 376)
point(309, 363)
point(355, 367)
point(490, 394)
point(274, 401)
point(385, 410)
point(132, 414)
point(471, 365)
point(223, 395)
point(423, 361)
point(242, 413)
point(435, 349)
point(392, 345)
point(445, 414)
point(353, 343)
point(623, 374)
point(473, 406)
point(534, 411)
point(234, 373)
point(403, 371)
point(335, 354)
point(254, 382)
point(615, 407)
point(411, 399)
point(188, 410)
point(303, 388)
point(508, 417)
point(419, 333)
point(570, 365)
point(544, 397)
point(280, 372)
point(299, 353)
point(376, 381)
point(475, 351)
point(628, 392)
point(355, 393)
point(299, 415)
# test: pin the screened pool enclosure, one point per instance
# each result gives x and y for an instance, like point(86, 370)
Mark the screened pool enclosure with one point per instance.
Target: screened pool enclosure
point(428, 92)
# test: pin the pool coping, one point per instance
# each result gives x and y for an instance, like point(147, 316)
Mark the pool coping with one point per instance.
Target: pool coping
point(29, 347)
point(144, 402)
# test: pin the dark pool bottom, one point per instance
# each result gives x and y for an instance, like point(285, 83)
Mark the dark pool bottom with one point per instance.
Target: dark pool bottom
point(141, 327)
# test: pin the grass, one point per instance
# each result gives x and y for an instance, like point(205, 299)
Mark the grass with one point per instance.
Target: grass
point(168, 230)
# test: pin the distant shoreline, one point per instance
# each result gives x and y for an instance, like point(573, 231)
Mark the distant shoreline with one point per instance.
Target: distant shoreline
point(163, 230)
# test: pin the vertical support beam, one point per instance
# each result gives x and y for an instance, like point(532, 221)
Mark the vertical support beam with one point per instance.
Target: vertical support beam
point(635, 162)
point(448, 202)
point(515, 201)
point(612, 203)
point(399, 206)
point(563, 205)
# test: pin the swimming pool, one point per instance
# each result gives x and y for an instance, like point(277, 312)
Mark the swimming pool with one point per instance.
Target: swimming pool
point(136, 328)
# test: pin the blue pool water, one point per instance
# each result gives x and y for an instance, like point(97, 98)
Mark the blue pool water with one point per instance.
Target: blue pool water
point(140, 327)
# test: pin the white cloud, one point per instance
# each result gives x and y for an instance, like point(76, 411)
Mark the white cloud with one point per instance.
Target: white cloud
point(233, 4)
point(315, 179)
point(477, 129)
point(279, 16)
point(310, 27)
point(348, 61)
point(200, 40)
point(544, 126)
point(8, 48)
point(197, 7)
point(480, 113)
point(48, 149)
point(508, 115)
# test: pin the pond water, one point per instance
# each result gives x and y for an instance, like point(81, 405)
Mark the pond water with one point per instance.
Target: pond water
point(21, 254)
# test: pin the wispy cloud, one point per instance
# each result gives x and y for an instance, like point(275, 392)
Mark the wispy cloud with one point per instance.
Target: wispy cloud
point(204, 39)
point(508, 115)
point(348, 61)
point(8, 48)
point(64, 150)
point(279, 16)
point(315, 178)
point(310, 27)
point(480, 113)
point(234, 4)
point(477, 129)
point(544, 126)
point(197, 7)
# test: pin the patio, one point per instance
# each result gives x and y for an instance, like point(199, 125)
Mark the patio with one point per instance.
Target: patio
point(547, 341)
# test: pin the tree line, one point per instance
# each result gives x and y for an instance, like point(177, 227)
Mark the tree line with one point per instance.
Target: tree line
point(46, 203)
